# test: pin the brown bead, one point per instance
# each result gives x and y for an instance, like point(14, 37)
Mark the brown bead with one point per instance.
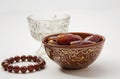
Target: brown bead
point(6, 60)
point(17, 58)
point(5, 66)
point(3, 63)
point(42, 65)
point(43, 61)
point(34, 58)
point(29, 58)
point(37, 67)
point(16, 69)
point(10, 68)
point(38, 60)
point(30, 68)
point(23, 57)
point(23, 69)
point(11, 60)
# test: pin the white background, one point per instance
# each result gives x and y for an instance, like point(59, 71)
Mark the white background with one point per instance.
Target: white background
point(95, 16)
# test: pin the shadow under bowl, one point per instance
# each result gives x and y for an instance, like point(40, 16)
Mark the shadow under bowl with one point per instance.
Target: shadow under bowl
point(74, 57)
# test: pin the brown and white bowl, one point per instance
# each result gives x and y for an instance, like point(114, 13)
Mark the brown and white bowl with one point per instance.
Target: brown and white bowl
point(74, 57)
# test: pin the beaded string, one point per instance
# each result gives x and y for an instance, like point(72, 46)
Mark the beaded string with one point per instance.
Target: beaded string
point(7, 64)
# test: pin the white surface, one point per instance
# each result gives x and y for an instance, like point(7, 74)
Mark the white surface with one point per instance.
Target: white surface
point(16, 40)
point(96, 16)
point(33, 5)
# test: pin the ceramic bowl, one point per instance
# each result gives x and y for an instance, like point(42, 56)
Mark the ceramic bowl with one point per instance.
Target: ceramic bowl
point(74, 57)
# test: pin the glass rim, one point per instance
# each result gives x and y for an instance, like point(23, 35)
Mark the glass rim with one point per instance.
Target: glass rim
point(66, 16)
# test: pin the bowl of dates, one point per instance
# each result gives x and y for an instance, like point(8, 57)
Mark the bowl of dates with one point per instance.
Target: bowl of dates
point(73, 50)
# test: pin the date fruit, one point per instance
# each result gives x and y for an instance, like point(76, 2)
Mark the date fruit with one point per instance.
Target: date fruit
point(87, 42)
point(94, 38)
point(52, 42)
point(76, 42)
point(65, 39)
point(52, 38)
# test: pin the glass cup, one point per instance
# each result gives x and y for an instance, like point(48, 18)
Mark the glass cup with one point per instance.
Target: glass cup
point(42, 25)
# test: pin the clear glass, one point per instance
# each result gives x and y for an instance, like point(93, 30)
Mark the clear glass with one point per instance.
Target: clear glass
point(43, 25)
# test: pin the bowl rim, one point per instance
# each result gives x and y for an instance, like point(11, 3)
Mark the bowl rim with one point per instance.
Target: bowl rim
point(73, 46)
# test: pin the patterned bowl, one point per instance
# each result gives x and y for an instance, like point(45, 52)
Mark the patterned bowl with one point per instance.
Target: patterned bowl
point(73, 57)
